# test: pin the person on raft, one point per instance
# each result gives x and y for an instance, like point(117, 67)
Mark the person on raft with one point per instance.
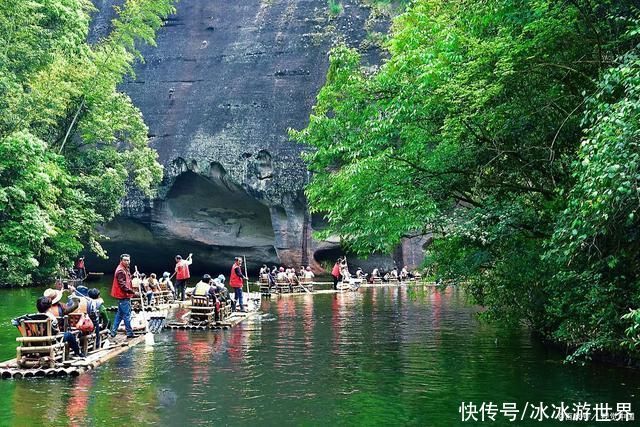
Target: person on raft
point(335, 273)
point(222, 292)
point(152, 287)
point(182, 275)
point(203, 288)
point(44, 306)
point(236, 280)
point(122, 290)
point(79, 268)
point(308, 274)
point(166, 281)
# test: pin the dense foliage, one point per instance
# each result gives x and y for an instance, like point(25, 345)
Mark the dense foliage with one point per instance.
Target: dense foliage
point(69, 141)
point(509, 129)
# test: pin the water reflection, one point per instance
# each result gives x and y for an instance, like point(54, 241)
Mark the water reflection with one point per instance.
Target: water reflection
point(392, 356)
point(78, 405)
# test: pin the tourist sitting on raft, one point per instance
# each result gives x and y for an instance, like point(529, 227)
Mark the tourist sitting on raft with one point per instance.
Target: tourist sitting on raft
point(392, 275)
point(282, 276)
point(292, 277)
point(102, 318)
point(214, 290)
point(166, 281)
point(264, 270)
point(204, 288)
point(360, 274)
point(152, 287)
point(404, 273)
point(45, 306)
point(308, 274)
point(222, 293)
point(89, 306)
point(219, 284)
point(58, 309)
point(85, 304)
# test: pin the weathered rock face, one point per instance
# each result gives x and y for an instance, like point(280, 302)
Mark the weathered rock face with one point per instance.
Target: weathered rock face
point(225, 82)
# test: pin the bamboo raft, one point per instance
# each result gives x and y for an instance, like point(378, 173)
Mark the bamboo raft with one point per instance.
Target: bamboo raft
point(231, 321)
point(71, 368)
point(346, 288)
point(157, 307)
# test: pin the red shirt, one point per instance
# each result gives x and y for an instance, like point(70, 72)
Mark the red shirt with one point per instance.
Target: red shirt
point(336, 270)
point(182, 270)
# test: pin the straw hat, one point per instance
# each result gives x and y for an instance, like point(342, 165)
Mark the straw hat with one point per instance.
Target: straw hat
point(54, 295)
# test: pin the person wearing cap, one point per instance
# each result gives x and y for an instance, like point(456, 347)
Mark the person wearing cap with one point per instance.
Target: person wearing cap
point(98, 314)
point(236, 280)
point(308, 274)
point(166, 281)
point(182, 275)
point(85, 304)
point(103, 318)
point(122, 290)
point(221, 292)
point(263, 271)
point(282, 275)
point(55, 308)
point(292, 276)
point(43, 305)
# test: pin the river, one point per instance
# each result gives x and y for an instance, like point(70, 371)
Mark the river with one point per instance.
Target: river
point(379, 356)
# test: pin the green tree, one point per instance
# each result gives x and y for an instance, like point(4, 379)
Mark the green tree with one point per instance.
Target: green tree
point(71, 143)
point(470, 130)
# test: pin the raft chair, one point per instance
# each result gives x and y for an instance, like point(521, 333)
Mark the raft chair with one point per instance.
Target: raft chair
point(38, 346)
point(87, 341)
point(343, 286)
point(377, 280)
point(307, 283)
point(394, 281)
point(202, 310)
point(283, 286)
point(225, 310)
point(136, 299)
point(165, 294)
point(263, 281)
point(295, 285)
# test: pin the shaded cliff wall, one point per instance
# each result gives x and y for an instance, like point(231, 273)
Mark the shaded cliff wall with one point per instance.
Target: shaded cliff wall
point(225, 82)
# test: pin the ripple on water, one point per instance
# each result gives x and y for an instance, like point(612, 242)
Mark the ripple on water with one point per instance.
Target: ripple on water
point(379, 356)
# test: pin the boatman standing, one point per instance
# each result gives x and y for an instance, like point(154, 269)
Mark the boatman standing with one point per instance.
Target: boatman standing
point(182, 275)
point(122, 290)
point(79, 268)
point(236, 281)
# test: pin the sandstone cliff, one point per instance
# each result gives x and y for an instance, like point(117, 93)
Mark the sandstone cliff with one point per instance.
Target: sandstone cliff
point(225, 82)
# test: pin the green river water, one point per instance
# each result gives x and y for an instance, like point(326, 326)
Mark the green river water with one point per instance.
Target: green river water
point(381, 356)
